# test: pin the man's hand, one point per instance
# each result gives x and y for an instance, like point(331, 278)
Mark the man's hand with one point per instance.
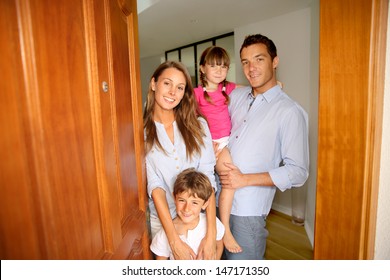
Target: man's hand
point(232, 178)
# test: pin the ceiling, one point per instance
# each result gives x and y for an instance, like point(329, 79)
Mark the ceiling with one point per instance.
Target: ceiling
point(168, 24)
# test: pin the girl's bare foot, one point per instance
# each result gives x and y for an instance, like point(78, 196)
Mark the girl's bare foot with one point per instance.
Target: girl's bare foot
point(230, 243)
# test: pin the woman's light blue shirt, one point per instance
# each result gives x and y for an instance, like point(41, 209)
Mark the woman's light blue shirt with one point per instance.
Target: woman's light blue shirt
point(163, 168)
point(271, 136)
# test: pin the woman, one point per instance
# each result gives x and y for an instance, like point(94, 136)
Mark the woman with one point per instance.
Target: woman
point(176, 138)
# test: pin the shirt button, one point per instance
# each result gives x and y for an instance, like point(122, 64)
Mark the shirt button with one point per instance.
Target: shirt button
point(176, 158)
point(177, 167)
point(236, 137)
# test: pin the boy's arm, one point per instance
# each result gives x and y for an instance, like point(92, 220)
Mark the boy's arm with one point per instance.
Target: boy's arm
point(161, 258)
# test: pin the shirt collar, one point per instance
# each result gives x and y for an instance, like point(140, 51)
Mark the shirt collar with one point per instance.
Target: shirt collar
point(270, 94)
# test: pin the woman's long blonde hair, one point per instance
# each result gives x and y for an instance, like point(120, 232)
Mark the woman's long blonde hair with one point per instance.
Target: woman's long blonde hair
point(186, 114)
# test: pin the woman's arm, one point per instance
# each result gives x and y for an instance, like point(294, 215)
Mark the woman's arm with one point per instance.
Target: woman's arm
point(180, 250)
point(208, 248)
point(219, 249)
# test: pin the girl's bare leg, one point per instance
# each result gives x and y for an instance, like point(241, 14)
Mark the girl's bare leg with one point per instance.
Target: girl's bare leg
point(225, 205)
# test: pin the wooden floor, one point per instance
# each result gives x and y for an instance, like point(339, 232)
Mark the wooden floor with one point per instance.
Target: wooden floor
point(286, 241)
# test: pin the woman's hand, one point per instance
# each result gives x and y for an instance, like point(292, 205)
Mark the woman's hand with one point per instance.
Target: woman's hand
point(207, 249)
point(208, 246)
point(181, 251)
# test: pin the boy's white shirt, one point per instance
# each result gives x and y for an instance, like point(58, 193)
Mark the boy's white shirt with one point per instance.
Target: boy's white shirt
point(160, 245)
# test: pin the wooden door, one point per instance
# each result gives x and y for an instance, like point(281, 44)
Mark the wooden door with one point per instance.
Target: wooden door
point(72, 180)
point(352, 55)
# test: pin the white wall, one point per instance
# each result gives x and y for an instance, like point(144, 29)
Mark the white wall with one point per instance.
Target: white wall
point(296, 38)
point(313, 115)
point(382, 238)
point(148, 65)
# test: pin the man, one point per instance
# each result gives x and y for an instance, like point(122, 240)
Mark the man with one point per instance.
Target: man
point(268, 144)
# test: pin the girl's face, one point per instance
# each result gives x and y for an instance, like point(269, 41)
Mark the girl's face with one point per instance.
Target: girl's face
point(215, 74)
point(188, 208)
point(169, 89)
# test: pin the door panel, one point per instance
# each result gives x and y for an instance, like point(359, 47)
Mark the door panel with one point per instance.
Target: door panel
point(123, 111)
point(71, 188)
point(127, 114)
point(352, 48)
point(17, 180)
point(72, 218)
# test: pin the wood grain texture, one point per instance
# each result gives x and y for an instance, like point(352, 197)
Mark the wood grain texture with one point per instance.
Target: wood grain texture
point(70, 185)
point(346, 180)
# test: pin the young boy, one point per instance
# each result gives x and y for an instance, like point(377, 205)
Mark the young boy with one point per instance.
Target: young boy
point(192, 190)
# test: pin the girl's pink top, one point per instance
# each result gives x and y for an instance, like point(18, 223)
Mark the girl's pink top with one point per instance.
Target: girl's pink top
point(217, 114)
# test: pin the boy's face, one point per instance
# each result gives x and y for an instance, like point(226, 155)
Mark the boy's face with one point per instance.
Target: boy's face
point(189, 207)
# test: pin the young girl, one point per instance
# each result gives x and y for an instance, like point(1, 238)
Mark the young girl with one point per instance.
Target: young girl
point(176, 139)
point(213, 99)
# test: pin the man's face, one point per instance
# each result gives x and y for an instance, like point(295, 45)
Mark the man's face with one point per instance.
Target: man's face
point(258, 67)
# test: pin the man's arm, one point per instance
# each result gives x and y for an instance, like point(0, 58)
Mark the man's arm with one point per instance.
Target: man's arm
point(235, 179)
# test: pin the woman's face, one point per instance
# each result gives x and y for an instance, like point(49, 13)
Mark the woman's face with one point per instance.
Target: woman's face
point(169, 89)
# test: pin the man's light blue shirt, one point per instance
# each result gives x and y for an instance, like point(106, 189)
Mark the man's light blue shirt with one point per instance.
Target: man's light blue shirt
point(270, 135)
